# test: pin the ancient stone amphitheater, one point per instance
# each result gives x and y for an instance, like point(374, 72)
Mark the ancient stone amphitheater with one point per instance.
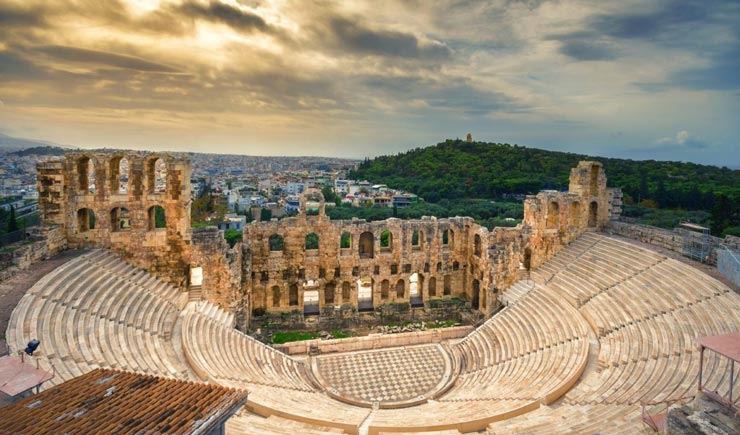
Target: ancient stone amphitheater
point(601, 328)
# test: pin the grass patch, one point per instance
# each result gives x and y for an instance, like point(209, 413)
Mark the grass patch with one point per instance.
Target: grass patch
point(285, 337)
point(338, 333)
point(445, 324)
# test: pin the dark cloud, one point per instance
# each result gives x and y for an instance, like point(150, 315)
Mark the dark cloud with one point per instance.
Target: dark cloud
point(215, 11)
point(588, 49)
point(14, 66)
point(357, 37)
point(722, 74)
point(652, 24)
point(15, 16)
point(82, 55)
point(456, 94)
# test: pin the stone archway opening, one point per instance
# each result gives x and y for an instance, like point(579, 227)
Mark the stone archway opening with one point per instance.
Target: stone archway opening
point(416, 283)
point(475, 302)
point(365, 294)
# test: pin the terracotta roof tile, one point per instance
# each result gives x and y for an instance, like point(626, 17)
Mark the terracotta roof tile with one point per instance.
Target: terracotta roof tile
point(111, 401)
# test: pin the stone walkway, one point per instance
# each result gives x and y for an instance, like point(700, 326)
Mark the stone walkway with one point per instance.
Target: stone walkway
point(393, 375)
point(13, 289)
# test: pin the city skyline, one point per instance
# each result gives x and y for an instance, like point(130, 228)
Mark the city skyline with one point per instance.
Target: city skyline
point(641, 80)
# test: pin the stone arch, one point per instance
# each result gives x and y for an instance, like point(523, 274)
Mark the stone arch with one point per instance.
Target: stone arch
point(118, 175)
point(293, 295)
point(553, 214)
point(345, 240)
point(527, 258)
point(156, 218)
point(400, 289)
point(477, 245)
point(451, 238)
point(447, 285)
point(329, 294)
point(120, 219)
point(365, 293)
point(416, 284)
point(432, 287)
point(384, 289)
point(386, 240)
point(439, 266)
point(575, 214)
point(366, 245)
point(417, 239)
point(475, 302)
point(312, 241)
point(276, 243)
point(275, 296)
point(156, 175)
point(85, 175)
point(594, 181)
point(85, 220)
point(445, 237)
point(593, 214)
point(346, 292)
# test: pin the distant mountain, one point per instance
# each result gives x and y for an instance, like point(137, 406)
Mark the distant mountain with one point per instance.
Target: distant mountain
point(10, 143)
point(456, 169)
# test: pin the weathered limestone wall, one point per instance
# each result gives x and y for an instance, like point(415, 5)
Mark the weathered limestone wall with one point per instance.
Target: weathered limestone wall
point(667, 239)
point(43, 242)
point(123, 220)
point(375, 341)
point(222, 266)
point(556, 218)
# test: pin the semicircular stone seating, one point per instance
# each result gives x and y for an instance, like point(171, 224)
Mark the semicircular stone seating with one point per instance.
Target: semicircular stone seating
point(605, 326)
point(98, 311)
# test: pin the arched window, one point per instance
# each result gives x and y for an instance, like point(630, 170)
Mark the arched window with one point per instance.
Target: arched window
point(553, 215)
point(293, 295)
point(345, 241)
point(156, 217)
point(275, 296)
point(439, 266)
point(329, 294)
point(85, 175)
point(85, 220)
point(312, 241)
point(118, 175)
point(415, 239)
point(474, 304)
point(386, 240)
point(400, 289)
point(384, 289)
point(575, 214)
point(120, 219)
point(432, 287)
point(367, 244)
point(447, 285)
point(446, 237)
point(476, 245)
point(276, 242)
point(593, 214)
point(156, 173)
point(346, 292)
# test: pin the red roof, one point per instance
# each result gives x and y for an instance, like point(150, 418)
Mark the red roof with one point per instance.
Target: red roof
point(115, 402)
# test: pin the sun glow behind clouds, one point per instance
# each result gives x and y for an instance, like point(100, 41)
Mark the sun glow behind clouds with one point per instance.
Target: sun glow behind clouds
point(369, 76)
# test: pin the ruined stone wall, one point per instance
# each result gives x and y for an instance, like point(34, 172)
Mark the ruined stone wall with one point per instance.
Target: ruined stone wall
point(387, 269)
point(43, 242)
point(222, 267)
point(667, 239)
point(90, 209)
point(554, 219)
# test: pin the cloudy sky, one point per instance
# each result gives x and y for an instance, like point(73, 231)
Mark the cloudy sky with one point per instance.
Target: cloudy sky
point(638, 79)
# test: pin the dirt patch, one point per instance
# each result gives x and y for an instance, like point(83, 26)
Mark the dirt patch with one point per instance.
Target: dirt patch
point(13, 289)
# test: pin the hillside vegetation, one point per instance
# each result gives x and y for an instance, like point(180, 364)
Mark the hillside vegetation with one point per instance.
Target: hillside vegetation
point(455, 169)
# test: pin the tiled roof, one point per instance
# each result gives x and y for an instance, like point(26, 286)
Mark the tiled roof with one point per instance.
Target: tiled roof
point(115, 402)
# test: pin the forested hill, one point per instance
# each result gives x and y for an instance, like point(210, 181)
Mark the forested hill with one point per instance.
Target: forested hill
point(458, 169)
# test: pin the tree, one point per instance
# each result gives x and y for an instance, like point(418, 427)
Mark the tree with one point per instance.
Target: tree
point(232, 236)
point(265, 214)
point(12, 222)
